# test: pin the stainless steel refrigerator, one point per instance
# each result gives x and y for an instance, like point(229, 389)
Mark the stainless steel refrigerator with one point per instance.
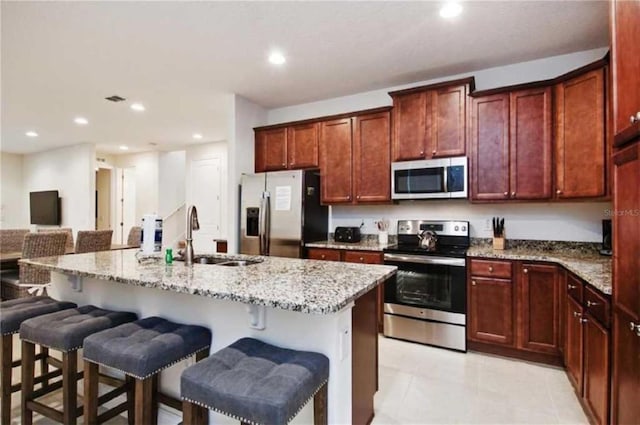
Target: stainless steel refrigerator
point(280, 211)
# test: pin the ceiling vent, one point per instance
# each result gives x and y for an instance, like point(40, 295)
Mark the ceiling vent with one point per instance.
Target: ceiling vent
point(115, 98)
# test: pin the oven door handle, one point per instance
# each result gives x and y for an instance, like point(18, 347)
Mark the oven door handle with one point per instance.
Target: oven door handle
point(425, 259)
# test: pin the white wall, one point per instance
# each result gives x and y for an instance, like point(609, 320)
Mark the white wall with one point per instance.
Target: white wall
point(147, 176)
point(171, 180)
point(524, 72)
point(245, 116)
point(542, 221)
point(14, 207)
point(71, 171)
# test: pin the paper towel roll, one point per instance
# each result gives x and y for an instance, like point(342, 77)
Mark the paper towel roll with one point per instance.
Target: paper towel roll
point(151, 234)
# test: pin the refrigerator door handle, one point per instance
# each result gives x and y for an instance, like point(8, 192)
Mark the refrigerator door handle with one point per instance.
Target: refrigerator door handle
point(267, 223)
point(263, 229)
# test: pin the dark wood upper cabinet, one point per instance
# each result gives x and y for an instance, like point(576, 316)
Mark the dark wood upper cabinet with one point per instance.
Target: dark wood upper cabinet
point(410, 113)
point(302, 145)
point(271, 149)
point(625, 387)
point(449, 121)
point(491, 311)
point(625, 39)
point(580, 136)
point(490, 147)
point(596, 369)
point(626, 231)
point(335, 161)
point(573, 353)
point(431, 121)
point(530, 144)
point(539, 309)
point(372, 157)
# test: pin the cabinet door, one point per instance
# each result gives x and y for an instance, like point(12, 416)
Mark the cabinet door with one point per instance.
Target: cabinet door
point(625, 39)
point(335, 161)
point(271, 149)
point(409, 126)
point(625, 387)
point(596, 369)
point(302, 146)
point(372, 157)
point(580, 136)
point(538, 322)
point(530, 144)
point(363, 257)
point(490, 147)
point(626, 230)
point(323, 254)
point(449, 121)
point(562, 299)
point(491, 311)
point(573, 344)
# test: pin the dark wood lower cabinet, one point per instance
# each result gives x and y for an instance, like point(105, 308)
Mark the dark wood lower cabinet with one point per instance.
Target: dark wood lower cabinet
point(625, 407)
point(596, 369)
point(573, 355)
point(491, 311)
point(364, 372)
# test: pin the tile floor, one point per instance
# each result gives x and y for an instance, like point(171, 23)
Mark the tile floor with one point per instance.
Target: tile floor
point(426, 385)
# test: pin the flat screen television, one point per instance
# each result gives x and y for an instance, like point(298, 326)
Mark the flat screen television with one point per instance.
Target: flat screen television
point(45, 207)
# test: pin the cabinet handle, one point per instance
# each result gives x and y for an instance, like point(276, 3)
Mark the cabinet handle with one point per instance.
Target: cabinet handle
point(591, 303)
point(558, 192)
point(576, 314)
point(525, 271)
point(323, 256)
point(473, 283)
point(583, 320)
point(633, 119)
point(491, 269)
point(284, 165)
point(513, 194)
point(358, 197)
point(571, 286)
point(361, 259)
point(633, 326)
point(506, 194)
point(433, 152)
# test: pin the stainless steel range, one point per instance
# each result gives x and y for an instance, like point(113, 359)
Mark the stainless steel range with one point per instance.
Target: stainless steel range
point(426, 301)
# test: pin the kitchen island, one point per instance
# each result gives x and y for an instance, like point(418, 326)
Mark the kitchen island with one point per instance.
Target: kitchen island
point(321, 306)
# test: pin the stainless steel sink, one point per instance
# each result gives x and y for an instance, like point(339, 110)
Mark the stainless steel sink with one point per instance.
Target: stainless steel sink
point(205, 259)
point(239, 263)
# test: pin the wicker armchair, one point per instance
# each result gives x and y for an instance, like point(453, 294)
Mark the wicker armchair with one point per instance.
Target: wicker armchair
point(11, 239)
point(35, 245)
point(67, 230)
point(93, 240)
point(135, 236)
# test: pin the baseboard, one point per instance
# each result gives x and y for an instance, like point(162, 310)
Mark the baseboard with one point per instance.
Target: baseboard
point(550, 359)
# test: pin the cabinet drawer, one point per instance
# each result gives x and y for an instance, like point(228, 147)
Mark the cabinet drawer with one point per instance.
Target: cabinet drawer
point(363, 257)
point(323, 254)
point(598, 306)
point(574, 287)
point(490, 268)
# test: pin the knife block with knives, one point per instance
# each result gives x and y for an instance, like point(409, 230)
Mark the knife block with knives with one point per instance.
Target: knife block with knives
point(498, 233)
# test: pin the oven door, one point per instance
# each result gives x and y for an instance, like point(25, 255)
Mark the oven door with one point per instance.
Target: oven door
point(429, 282)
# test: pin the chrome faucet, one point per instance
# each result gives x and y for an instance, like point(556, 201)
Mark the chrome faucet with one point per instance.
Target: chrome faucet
point(192, 224)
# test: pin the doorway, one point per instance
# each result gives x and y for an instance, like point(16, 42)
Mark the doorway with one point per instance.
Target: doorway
point(103, 199)
point(125, 203)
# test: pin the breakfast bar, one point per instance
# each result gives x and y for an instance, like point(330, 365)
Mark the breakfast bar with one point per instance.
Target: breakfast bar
point(325, 307)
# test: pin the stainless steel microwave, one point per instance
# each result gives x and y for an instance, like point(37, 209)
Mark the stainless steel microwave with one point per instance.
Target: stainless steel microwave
point(429, 179)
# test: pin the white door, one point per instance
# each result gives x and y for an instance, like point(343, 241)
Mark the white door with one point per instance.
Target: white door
point(205, 190)
point(125, 203)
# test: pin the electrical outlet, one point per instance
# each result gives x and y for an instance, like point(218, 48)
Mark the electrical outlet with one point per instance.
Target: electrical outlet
point(487, 225)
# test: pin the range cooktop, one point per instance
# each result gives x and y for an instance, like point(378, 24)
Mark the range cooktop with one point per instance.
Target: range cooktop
point(453, 238)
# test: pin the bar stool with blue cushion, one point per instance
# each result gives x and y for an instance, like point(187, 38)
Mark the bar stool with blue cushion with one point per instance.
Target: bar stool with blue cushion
point(141, 349)
point(14, 312)
point(64, 331)
point(256, 383)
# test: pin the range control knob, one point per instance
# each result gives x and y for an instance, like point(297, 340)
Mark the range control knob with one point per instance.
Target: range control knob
point(464, 228)
point(456, 228)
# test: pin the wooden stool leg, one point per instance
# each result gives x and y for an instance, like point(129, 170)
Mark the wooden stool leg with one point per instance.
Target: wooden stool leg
point(320, 406)
point(192, 414)
point(154, 398)
point(90, 393)
point(131, 400)
point(69, 387)
point(6, 358)
point(27, 366)
point(144, 400)
point(44, 366)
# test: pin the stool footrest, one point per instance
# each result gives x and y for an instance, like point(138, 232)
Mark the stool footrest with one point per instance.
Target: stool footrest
point(112, 394)
point(112, 413)
point(45, 410)
point(39, 379)
point(172, 402)
point(38, 356)
point(46, 390)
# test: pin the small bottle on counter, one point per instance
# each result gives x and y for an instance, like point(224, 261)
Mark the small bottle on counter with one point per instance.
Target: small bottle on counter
point(168, 256)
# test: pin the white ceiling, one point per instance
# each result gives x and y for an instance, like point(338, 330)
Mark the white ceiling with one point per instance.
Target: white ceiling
point(182, 60)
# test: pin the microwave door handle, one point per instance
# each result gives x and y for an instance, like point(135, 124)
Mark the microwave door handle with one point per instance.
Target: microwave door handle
point(445, 179)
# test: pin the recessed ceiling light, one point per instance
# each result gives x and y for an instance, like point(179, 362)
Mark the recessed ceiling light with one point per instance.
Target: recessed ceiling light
point(197, 136)
point(137, 107)
point(124, 148)
point(277, 58)
point(81, 120)
point(31, 134)
point(450, 9)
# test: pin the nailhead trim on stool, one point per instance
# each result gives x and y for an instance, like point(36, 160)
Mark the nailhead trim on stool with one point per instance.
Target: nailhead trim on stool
point(256, 382)
point(13, 313)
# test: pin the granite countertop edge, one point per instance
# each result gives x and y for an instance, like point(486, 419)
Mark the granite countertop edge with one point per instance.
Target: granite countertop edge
point(574, 264)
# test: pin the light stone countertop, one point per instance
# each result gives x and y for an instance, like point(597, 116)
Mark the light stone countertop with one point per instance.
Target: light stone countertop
point(307, 286)
point(592, 268)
